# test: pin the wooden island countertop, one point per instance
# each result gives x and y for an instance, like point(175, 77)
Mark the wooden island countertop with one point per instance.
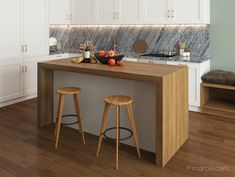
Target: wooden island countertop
point(171, 97)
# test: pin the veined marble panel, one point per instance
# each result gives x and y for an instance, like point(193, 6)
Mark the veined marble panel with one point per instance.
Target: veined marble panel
point(158, 37)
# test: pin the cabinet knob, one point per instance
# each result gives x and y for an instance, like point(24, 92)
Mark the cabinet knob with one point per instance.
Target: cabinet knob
point(172, 13)
point(26, 48)
point(25, 68)
point(21, 69)
point(116, 15)
point(22, 48)
point(168, 13)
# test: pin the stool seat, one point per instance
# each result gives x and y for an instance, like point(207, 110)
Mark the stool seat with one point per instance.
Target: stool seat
point(118, 100)
point(69, 90)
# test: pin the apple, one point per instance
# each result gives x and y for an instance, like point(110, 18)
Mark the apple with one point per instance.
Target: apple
point(111, 62)
point(120, 63)
point(102, 53)
point(112, 53)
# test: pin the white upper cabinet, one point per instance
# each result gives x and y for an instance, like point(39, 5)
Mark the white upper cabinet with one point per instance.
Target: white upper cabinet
point(107, 11)
point(177, 11)
point(60, 12)
point(120, 11)
point(129, 11)
point(83, 11)
point(156, 11)
point(11, 30)
point(68, 12)
point(189, 11)
point(36, 30)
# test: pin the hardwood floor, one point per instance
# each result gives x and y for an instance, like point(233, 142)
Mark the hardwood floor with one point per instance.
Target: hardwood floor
point(26, 151)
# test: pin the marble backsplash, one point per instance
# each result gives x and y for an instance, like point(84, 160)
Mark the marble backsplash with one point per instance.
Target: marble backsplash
point(158, 37)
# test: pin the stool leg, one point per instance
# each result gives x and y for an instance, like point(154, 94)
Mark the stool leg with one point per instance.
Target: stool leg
point(132, 123)
point(59, 117)
point(80, 124)
point(119, 128)
point(56, 123)
point(117, 133)
point(103, 124)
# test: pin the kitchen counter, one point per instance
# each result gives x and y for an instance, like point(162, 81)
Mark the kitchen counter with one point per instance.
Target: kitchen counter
point(190, 59)
point(139, 58)
point(170, 87)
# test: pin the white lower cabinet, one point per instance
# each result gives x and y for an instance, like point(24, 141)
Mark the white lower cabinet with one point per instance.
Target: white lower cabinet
point(195, 72)
point(194, 85)
point(18, 80)
point(11, 85)
point(30, 78)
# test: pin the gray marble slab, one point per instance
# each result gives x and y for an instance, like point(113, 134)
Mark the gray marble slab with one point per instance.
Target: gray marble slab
point(158, 38)
point(190, 59)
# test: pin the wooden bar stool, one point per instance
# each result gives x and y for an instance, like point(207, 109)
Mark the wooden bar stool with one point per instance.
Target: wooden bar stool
point(118, 101)
point(62, 93)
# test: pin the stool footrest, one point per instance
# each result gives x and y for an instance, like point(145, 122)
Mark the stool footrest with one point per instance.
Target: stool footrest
point(69, 115)
point(120, 139)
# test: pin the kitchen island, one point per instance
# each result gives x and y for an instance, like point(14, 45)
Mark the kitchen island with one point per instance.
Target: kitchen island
point(171, 97)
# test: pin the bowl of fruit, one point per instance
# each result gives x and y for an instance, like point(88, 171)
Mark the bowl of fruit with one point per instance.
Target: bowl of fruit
point(110, 57)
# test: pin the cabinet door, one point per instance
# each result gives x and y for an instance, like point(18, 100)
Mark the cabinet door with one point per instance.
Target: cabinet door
point(36, 30)
point(107, 11)
point(83, 12)
point(11, 86)
point(186, 11)
point(11, 29)
point(59, 12)
point(131, 11)
point(193, 80)
point(156, 11)
point(30, 78)
point(194, 85)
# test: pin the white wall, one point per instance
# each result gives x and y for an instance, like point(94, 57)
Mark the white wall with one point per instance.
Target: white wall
point(222, 34)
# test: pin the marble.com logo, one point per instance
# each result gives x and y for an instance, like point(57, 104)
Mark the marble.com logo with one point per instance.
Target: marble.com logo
point(207, 168)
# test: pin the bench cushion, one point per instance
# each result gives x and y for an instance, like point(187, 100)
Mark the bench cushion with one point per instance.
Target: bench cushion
point(219, 77)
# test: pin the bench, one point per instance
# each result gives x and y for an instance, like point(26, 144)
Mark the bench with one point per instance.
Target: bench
point(218, 94)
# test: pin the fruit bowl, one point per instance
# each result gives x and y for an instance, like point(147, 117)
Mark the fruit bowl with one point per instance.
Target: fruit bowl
point(104, 60)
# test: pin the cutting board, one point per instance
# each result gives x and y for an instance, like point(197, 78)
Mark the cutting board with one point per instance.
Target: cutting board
point(140, 46)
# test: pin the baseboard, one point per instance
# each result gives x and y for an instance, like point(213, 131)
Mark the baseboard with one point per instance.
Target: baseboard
point(194, 109)
point(7, 103)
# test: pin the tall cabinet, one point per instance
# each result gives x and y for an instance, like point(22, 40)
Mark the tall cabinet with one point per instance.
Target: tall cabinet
point(11, 30)
point(24, 38)
point(35, 27)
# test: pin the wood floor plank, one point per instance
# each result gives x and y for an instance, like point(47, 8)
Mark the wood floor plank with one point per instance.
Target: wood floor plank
point(26, 151)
